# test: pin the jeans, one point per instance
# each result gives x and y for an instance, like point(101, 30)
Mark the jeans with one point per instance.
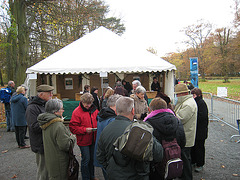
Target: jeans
point(10, 124)
point(20, 132)
point(87, 168)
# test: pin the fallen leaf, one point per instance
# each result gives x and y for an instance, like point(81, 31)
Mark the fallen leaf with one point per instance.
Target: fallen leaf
point(4, 151)
point(202, 179)
point(223, 166)
point(235, 175)
point(222, 124)
point(221, 140)
point(15, 176)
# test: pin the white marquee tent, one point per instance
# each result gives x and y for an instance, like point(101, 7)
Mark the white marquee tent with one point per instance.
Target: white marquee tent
point(104, 51)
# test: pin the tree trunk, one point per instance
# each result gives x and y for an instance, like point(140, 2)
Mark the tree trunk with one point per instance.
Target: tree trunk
point(20, 7)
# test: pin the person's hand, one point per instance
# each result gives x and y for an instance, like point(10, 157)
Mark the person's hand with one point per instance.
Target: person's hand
point(89, 130)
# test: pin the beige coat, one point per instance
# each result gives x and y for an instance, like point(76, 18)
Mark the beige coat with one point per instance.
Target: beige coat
point(186, 111)
point(140, 106)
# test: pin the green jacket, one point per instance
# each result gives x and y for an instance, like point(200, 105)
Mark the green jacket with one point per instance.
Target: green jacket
point(186, 111)
point(117, 165)
point(56, 142)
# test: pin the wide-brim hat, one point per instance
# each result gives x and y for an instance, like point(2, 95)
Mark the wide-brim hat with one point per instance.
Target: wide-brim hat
point(44, 88)
point(181, 88)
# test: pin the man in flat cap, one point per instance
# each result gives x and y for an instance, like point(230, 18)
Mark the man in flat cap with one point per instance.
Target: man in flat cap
point(35, 107)
point(186, 111)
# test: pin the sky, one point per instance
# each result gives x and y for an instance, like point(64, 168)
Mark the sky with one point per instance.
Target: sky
point(157, 23)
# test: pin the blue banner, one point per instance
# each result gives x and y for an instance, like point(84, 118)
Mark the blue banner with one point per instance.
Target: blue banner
point(194, 71)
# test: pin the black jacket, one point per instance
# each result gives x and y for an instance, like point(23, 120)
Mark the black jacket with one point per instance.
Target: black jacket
point(155, 87)
point(167, 127)
point(35, 107)
point(202, 119)
point(96, 101)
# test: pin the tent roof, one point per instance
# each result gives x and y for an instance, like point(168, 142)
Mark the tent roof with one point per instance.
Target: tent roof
point(101, 51)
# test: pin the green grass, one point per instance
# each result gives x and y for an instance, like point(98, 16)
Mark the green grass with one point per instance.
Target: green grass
point(233, 87)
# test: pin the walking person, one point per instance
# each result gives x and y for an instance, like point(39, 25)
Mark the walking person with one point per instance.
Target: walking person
point(35, 107)
point(56, 140)
point(198, 150)
point(18, 108)
point(84, 124)
point(10, 125)
point(186, 111)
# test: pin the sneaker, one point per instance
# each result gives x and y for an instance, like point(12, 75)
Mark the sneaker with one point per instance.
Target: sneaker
point(198, 169)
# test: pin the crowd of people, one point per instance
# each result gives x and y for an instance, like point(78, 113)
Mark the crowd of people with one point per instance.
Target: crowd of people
point(98, 121)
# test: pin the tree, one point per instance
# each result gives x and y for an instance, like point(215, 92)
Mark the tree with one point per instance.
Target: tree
point(39, 28)
point(197, 35)
point(222, 39)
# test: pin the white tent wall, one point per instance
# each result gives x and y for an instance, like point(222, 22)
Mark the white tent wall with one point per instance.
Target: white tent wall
point(169, 84)
point(32, 83)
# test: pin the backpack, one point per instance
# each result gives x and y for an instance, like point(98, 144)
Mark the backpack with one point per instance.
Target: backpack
point(172, 164)
point(136, 142)
point(5, 95)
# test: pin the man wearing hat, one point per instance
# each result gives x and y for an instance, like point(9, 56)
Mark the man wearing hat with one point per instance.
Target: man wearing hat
point(186, 111)
point(35, 107)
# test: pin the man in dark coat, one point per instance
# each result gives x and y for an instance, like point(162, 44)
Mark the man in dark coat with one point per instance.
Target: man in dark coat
point(118, 166)
point(105, 116)
point(198, 150)
point(35, 107)
point(155, 86)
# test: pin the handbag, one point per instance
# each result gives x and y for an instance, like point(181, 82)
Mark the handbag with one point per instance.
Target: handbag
point(73, 167)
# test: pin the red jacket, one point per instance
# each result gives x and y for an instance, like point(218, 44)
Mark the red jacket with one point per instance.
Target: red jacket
point(82, 119)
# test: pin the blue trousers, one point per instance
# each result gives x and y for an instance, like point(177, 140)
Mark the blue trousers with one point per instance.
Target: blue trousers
point(87, 168)
point(10, 124)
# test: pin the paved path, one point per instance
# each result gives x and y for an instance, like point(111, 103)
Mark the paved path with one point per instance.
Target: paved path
point(222, 157)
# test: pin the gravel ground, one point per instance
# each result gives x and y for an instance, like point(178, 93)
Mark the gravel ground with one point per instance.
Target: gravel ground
point(222, 157)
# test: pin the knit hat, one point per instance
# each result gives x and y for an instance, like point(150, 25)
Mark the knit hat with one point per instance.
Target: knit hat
point(181, 88)
point(44, 88)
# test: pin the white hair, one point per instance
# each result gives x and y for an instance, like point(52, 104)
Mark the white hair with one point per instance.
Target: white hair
point(140, 89)
point(137, 82)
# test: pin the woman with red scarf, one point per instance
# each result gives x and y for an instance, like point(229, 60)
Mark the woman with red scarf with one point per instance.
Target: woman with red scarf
point(84, 124)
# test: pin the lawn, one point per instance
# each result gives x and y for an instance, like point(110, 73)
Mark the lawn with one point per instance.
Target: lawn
point(233, 87)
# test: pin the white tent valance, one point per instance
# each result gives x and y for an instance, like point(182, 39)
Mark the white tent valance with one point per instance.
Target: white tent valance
point(101, 51)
